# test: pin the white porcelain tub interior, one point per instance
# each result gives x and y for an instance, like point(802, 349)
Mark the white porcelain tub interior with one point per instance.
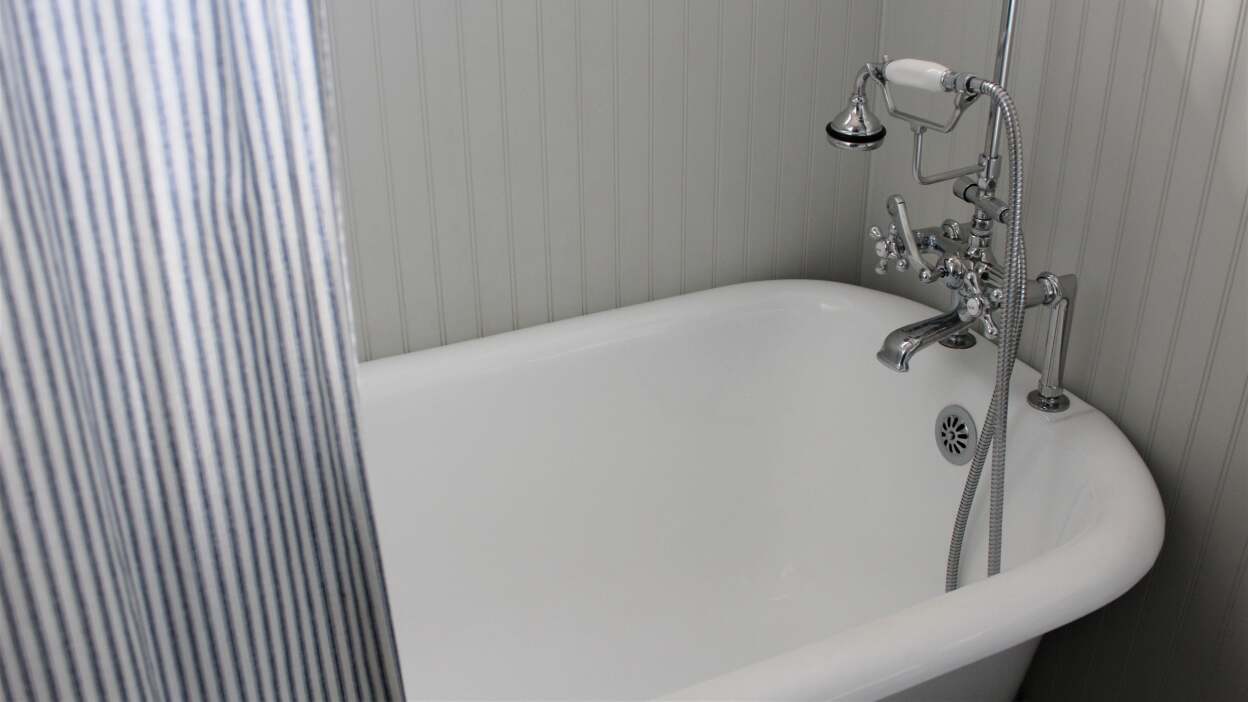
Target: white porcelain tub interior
point(725, 494)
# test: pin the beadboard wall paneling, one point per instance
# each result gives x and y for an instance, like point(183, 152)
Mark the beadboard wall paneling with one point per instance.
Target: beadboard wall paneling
point(512, 163)
point(1137, 175)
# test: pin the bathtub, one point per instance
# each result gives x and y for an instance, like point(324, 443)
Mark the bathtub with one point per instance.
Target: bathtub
point(723, 495)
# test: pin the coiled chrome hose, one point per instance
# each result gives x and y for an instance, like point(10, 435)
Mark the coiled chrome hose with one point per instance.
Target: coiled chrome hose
point(994, 433)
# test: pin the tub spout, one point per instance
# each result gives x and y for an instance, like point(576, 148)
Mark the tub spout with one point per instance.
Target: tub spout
point(902, 344)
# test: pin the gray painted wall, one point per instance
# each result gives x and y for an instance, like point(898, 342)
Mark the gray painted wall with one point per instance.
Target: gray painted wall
point(514, 162)
point(1137, 166)
point(511, 163)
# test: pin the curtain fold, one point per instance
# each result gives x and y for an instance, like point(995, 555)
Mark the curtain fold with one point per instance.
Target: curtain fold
point(183, 506)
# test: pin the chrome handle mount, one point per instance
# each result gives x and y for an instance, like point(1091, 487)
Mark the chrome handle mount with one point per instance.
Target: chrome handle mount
point(888, 248)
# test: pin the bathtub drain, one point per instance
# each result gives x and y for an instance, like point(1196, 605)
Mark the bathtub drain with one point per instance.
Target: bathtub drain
point(955, 434)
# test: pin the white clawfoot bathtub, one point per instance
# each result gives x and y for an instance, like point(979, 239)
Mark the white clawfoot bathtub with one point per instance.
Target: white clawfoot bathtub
point(724, 495)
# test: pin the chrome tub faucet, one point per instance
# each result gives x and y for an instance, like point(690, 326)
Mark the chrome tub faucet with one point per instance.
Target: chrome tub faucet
point(959, 254)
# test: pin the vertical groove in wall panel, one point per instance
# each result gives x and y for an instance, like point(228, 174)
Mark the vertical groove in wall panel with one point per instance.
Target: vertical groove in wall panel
point(363, 156)
point(508, 197)
point(477, 39)
point(650, 112)
point(777, 204)
point(765, 136)
point(520, 69)
point(363, 347)
point(435, 257)
point(633, 125)
point(684, 145)
point(387, 149)
point(668, 156)
point(733, 122)
point(809, 188)
point(719, 124)
point(544, 140)
point(701, 66)
point(597, 164)
point(562, 155)
point(579, 90)
point(797, 147)
point(407, 181)
point(450, 171)
point(615, 144)
point(832, 70)
point(752, 84)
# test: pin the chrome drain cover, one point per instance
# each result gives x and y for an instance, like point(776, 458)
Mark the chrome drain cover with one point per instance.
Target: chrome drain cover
point(955, 434)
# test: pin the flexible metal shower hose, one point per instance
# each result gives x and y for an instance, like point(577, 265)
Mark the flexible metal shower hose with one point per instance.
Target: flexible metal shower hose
point(994, 433)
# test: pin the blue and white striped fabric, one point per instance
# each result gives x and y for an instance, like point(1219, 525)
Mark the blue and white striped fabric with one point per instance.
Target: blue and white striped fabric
point(183, 509)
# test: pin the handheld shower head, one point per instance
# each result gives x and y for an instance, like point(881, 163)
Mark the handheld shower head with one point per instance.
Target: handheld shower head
point(856, 128)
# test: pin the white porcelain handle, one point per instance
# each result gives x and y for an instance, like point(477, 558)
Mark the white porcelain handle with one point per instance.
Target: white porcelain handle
point(916, 73)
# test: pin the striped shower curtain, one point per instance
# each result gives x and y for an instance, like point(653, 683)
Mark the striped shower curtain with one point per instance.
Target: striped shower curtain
point(183, 509)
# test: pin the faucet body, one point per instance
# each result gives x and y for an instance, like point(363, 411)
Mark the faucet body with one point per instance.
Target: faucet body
point(957, 253)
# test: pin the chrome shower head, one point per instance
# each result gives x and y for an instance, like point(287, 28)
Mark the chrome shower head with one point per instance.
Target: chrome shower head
point(856, 128)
